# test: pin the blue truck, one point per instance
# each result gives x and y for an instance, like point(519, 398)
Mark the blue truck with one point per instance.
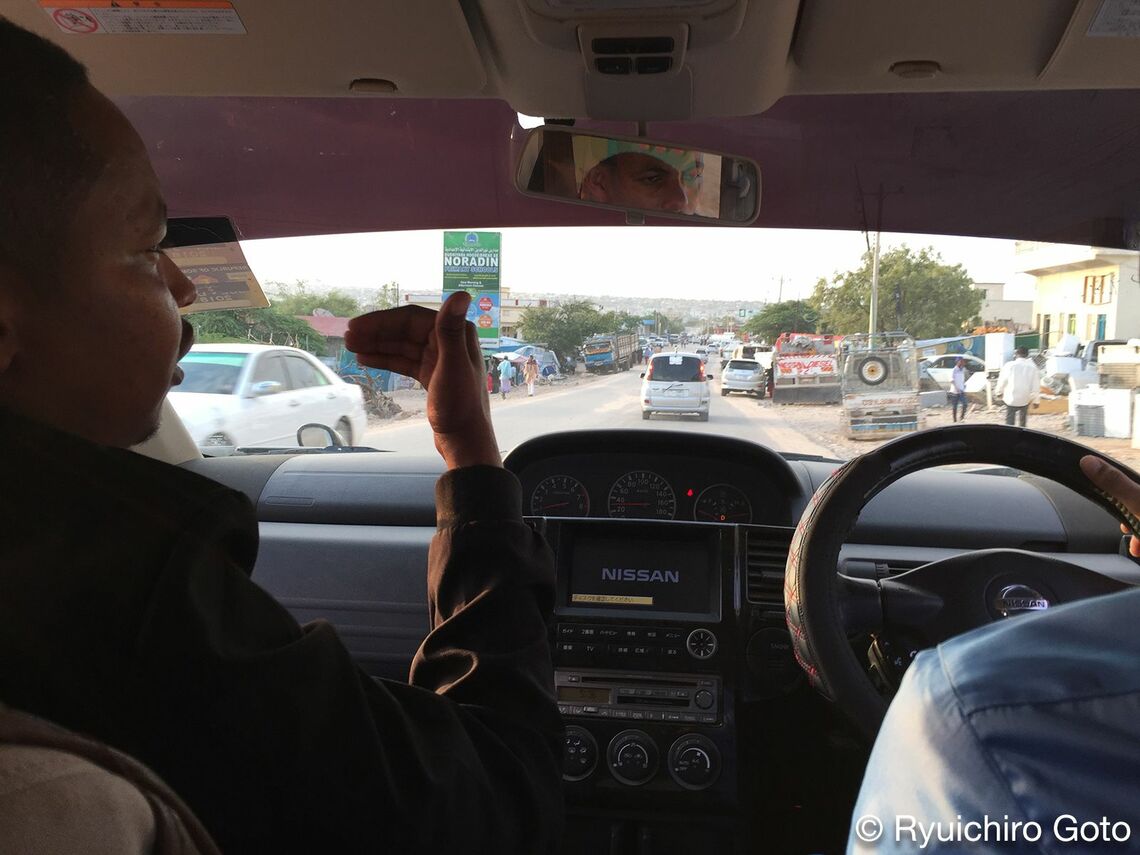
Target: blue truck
point(609, 353)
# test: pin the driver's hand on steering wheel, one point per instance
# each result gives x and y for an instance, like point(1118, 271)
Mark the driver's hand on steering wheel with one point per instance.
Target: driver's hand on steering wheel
point(1119, 486)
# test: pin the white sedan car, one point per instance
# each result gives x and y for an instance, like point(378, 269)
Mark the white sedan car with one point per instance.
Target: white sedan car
point(941, 367)
point(258, 395)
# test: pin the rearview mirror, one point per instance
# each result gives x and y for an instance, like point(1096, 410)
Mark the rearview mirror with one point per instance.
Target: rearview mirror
point(639, 176)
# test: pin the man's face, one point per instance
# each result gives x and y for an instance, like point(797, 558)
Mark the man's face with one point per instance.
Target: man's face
point(636, 181)
point(93, 350)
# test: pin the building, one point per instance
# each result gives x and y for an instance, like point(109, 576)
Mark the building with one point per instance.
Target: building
point(1087, 291)
point(331, 327)
point(1015, 315)
point(511, 312)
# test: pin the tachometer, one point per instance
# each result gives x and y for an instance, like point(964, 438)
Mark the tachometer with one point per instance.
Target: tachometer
point(722, 503)
point(560, 496)
point(642, 495)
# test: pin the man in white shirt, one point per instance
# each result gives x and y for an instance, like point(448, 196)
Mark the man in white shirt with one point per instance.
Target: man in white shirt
point(958, 389)
point(1018, 385)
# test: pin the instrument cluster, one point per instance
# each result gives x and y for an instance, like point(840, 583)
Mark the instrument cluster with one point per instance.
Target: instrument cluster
point(658, 476)
point(641, 493)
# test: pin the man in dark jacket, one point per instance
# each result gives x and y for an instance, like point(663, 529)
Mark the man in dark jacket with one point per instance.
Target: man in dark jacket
point(128, 613)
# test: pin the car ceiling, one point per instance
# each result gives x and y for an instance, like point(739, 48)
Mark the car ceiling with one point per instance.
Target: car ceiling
point(1027, 128)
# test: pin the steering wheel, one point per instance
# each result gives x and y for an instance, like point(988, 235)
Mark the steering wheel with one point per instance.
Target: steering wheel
point(936, 601)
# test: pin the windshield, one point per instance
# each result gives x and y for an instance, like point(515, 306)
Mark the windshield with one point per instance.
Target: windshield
point(211, 373)
point(825, 388)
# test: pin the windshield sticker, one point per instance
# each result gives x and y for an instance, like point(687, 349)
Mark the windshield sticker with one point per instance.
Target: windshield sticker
point(676, 360)
point(118, 17)
point(222, 276)
point(1117, 18)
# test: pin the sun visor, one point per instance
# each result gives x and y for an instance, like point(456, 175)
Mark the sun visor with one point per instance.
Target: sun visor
point(207, 251)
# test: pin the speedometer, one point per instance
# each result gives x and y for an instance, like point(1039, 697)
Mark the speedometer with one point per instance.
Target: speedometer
point(560, 496)
point(722, 503)
point(642, 495)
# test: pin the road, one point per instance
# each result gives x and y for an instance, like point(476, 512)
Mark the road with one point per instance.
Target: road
point(605, 402)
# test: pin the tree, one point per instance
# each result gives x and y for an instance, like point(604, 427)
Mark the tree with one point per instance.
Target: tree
point(261, 326)
point(917, 293)
point(788, 316)
point(298, 299)
point(384, 297)
point(564, 328)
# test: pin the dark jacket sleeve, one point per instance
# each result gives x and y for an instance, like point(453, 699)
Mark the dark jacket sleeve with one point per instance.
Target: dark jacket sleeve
point(280, 743)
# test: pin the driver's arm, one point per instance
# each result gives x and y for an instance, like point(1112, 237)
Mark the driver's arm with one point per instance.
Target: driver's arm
point(1030, 720)
point(927, 765)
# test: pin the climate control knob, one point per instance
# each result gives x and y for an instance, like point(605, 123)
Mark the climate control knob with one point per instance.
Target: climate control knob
point(632, 757)
point(694, 762)
point(579, 754)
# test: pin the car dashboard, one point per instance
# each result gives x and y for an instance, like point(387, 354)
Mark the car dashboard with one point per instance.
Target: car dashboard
point(689, 725)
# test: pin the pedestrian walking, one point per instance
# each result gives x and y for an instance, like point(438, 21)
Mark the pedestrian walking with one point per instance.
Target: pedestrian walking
point(530, 375)
point(958, 389)
point(1018, 385)
point(506, 373)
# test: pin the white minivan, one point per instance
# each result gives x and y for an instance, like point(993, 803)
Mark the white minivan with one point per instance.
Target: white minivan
point(675, 383)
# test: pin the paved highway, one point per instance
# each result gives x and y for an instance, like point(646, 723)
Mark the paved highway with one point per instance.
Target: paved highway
point(606, 402)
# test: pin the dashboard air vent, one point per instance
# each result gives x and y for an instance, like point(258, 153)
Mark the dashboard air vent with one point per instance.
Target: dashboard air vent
point(766, 554)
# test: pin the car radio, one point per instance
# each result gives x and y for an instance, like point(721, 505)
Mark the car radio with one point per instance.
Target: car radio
point(642, 644)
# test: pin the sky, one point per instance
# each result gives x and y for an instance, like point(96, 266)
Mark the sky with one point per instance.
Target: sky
point(682, 262)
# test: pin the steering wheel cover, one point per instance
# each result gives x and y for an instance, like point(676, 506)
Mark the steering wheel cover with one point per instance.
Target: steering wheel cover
point(811, 597)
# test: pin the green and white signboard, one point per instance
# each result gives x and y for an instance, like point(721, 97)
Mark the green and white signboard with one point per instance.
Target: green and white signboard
point(471, 263)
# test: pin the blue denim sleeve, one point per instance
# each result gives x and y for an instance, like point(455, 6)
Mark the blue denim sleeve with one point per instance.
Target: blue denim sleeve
point(928, 776)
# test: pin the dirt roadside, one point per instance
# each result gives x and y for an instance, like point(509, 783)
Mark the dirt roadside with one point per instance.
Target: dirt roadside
point(821, 423)
point(413, 402)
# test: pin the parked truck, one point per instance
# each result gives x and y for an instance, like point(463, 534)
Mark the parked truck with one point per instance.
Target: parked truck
point(880, 385)
point(609, 353)
point(805, 368)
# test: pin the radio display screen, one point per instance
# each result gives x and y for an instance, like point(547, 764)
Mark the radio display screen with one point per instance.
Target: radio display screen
point(583, 695)
point(612, 571)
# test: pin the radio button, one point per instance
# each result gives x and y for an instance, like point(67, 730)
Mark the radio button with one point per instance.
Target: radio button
point(653, 715)
point(607, 632)
point(704, 699)
point(573, 678)
point(634, 715)
point(680, 694)
point(673, 635)
point(587, 632)
point(673, 716)
point(619, 713)
point(688, 718)
point(671, 654)
point(644, 652)
point(705, 718)
point(630, 634)
point(567, 630)
point(651, 634)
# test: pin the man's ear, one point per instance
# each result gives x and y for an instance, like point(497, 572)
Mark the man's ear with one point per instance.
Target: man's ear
point(12, 283)
point(595, 186)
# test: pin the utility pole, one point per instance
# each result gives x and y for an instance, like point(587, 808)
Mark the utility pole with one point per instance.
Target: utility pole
point(875, 291)
point(780, 293)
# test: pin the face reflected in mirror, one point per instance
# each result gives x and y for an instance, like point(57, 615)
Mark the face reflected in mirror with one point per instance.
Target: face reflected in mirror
point(636, 180)
point(639, 175)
